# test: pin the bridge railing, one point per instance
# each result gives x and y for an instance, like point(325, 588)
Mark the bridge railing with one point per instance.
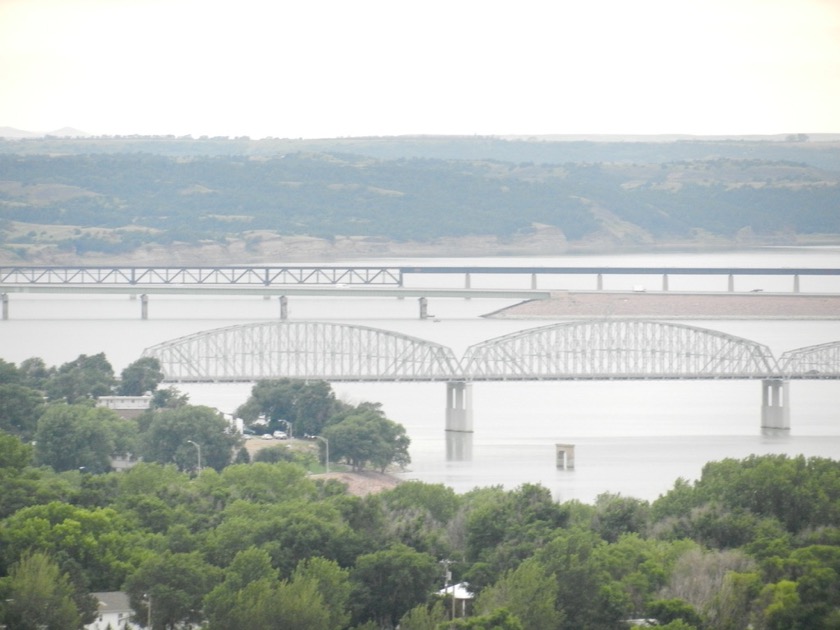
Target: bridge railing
point(219, 275)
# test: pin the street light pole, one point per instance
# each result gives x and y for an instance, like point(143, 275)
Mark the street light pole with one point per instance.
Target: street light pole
point(327, 445)
point(198, 448)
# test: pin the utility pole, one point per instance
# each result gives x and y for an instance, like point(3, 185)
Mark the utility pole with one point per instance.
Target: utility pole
point(199, 454)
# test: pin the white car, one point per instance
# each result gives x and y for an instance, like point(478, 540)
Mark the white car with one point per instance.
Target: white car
point(281, 435)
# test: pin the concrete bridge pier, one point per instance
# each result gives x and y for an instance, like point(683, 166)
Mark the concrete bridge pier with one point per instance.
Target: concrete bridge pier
point(284, 307)
point(144, 306)
point(664, 281)
point(4, 298)
point(424, 308)
point(459, 406)
point(775, 404)
point(796, 283)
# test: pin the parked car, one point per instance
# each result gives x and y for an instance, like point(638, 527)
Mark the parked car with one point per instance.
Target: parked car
point(280, 435)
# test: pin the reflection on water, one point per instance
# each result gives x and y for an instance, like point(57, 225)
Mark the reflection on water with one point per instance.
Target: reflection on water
point(459, 446)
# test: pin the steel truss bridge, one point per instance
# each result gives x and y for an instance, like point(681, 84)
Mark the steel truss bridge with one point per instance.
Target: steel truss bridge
point(612, 349)
point(321, 275)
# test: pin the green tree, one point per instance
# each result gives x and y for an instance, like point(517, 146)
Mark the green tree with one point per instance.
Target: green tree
point(222, 605)
point(424, 617)
point(389, 583)
point(20, 482)
point(529, 592)
point(368, 438)
point(417, 514)
point(83, 378)
point(587, 595)
point(34, 373)
point(97, 545)
point(667, 610)
point(500, 619)
point(780, 605)
point(288, 604)
point(38, 595)
point(167, 439)
point(333, 583)
point(8, 372)
point(307, 405)
point(173, 585)
point(616, 515)
point(140, 377)
point(20, 408)
point(504, 528)
point(169, 398)
point(70, 437)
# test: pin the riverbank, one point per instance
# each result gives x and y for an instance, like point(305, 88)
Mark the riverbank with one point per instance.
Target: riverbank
point(663, 305)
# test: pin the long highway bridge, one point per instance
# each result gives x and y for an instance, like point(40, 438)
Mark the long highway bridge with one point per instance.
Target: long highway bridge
point(611, 349)
point(342, 281)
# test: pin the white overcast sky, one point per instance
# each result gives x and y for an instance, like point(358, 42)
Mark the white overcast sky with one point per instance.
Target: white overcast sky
point(329, 68)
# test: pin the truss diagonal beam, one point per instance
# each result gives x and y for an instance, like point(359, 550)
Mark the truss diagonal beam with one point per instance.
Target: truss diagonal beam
point(613, 349)
point(821, 361)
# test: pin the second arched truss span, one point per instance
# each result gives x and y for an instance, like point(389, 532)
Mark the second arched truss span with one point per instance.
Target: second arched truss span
point(821, 361)
point(303, 350)
point(616, 349)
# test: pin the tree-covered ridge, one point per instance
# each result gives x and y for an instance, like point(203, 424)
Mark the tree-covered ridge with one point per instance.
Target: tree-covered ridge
point(753, 543)
point(631, 192)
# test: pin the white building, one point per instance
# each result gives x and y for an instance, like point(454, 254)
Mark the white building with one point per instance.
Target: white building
point(125, 406)
point(113, 613)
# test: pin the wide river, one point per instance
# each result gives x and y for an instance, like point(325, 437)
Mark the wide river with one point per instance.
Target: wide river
point(631, 438)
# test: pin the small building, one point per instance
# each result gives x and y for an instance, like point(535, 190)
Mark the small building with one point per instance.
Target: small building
point(126, 406)
point(462, 596)
point(113, 611)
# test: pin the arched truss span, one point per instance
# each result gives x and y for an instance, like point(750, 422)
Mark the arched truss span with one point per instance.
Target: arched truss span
point(617, 349)
point(822, 361)
point(302, 350)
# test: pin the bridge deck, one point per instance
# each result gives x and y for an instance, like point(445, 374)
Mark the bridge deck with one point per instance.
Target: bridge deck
point(674, 305)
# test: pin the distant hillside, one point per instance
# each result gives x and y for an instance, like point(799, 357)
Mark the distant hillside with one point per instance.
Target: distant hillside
point(121, 197)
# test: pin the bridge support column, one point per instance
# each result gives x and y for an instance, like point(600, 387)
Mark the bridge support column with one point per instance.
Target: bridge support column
point(424, 308)
point(796, 283)
point(467, 283)
point(731, 286)
point(459, 406)
point(775, 404)
point(565, 456)
point(4, 298)
point(600, 284)
point(144, 306)
point(284, 307)
point(664, 281)
point(533, 281)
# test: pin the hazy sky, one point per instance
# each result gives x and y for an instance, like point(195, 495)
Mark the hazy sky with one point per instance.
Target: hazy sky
point(327, 68)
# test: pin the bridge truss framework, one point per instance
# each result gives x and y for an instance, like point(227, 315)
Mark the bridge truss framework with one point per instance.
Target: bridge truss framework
point(587, 350)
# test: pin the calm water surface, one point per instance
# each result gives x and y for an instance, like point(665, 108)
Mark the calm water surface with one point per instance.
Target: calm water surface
point(633, 438)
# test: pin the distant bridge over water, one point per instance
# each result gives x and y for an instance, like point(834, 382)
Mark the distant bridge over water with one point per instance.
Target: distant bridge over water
point(350, 275)
point(611, 349)
point(283, 281)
